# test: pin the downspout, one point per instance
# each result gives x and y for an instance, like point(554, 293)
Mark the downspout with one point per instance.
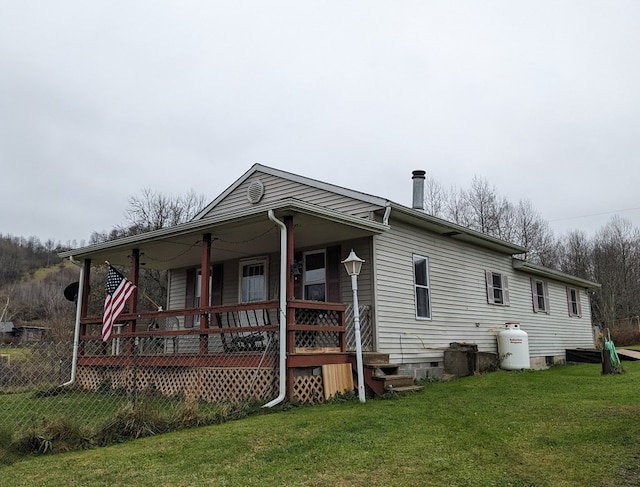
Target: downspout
point(387, 212)
point(283, 311)
point(76, 335)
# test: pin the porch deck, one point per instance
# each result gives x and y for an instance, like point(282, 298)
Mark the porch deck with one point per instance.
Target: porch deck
point(228, 348)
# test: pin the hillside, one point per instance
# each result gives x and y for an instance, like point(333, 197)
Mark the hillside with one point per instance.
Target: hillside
point(32, 281)
point(20, 257)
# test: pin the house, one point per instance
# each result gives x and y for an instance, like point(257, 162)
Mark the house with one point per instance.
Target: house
point(8, 332)
point(15, 334)
point(259, 304)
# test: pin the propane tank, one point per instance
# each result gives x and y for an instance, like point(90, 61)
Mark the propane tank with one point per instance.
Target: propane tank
point(513, 347)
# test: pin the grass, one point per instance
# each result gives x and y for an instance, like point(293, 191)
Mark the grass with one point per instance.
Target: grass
point(94, 408)
point(566, 426)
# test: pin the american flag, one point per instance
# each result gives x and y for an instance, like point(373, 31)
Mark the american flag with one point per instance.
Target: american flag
point(117, 292)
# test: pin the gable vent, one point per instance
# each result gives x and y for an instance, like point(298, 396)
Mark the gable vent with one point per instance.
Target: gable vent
point(255, 191)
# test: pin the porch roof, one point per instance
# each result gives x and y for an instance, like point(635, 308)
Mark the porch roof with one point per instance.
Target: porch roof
point(236, 234)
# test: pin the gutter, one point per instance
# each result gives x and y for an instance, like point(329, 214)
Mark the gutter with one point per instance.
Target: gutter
point(283, 311)
point(546, 272)
point(76, 334)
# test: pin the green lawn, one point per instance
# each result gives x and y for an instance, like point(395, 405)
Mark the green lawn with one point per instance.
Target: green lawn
point(567, 426)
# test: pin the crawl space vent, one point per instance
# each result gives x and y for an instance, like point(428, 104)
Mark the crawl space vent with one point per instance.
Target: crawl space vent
point(255, 191)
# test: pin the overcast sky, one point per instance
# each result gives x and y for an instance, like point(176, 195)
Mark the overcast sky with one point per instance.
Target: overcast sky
point(100, 99)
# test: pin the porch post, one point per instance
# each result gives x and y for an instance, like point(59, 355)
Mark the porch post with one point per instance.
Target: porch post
point(205, 272)
point(134, 278)
point(288, 222)
point(84, 300)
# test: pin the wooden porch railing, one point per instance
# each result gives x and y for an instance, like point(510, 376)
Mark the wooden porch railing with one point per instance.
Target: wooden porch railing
point(221, 335)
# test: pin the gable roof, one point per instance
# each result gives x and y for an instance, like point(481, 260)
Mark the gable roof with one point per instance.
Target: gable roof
point(314, 183)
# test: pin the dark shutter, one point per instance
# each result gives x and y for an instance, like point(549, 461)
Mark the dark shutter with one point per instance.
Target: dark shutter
point(489, 280)
point(333, 274)
point(190, 296)
point(505, 290)
point(534, 295)
point(297, 282)
point(216, 291)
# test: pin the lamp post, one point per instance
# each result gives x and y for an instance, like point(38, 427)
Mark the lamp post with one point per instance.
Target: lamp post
point(353, 264)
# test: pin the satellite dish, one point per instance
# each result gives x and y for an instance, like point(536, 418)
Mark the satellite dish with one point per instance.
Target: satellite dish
point(71, 291)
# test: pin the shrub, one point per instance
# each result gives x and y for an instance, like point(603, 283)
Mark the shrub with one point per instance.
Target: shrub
point(625, 336)
point(135, 420)
point(51, 435)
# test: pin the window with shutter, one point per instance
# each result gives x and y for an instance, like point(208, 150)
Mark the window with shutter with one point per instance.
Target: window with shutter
point(540, 296)
point(497, 288)
point(573, 302)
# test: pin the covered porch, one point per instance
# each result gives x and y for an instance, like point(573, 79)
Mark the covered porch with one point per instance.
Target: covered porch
point(208, 341)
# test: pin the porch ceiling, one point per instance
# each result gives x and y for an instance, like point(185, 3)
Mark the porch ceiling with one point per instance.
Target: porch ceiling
point(250, 235)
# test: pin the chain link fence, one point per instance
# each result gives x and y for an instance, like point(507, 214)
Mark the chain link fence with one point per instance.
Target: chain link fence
point(183, 379)
point(188, 374)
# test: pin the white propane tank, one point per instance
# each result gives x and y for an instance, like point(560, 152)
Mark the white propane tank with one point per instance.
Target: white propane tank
point(513, 347)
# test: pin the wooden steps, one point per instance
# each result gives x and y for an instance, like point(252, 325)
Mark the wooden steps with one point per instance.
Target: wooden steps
point(381, 376)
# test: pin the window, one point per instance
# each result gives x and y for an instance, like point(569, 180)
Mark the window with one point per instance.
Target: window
point(540, 294)
point(497, 288)
point(573, 302)
point(421, 284)
point(198, 289)
point(314, 276)
point(194, 290)
point(197, 294)
point(253, 280)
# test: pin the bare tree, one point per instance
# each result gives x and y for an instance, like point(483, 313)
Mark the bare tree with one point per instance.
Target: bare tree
point(575, 255)
point(616, 264)
point(531, 231)
point(456, 208)
point(435, 197)
point(152, 210)
point(482, 200)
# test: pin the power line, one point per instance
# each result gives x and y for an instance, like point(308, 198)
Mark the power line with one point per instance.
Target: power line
point(592, 214)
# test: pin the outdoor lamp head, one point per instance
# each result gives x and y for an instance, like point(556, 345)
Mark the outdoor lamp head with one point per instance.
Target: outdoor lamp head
point(353, 264)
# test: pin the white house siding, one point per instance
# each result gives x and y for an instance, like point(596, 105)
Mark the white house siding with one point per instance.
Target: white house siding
point(177, 290)
point(230, 282)
point(460, 312)
point(276, 189)
point(551, 334)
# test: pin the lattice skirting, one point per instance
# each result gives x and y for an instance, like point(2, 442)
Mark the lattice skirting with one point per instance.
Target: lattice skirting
point(210, 384)
point(308, 389)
